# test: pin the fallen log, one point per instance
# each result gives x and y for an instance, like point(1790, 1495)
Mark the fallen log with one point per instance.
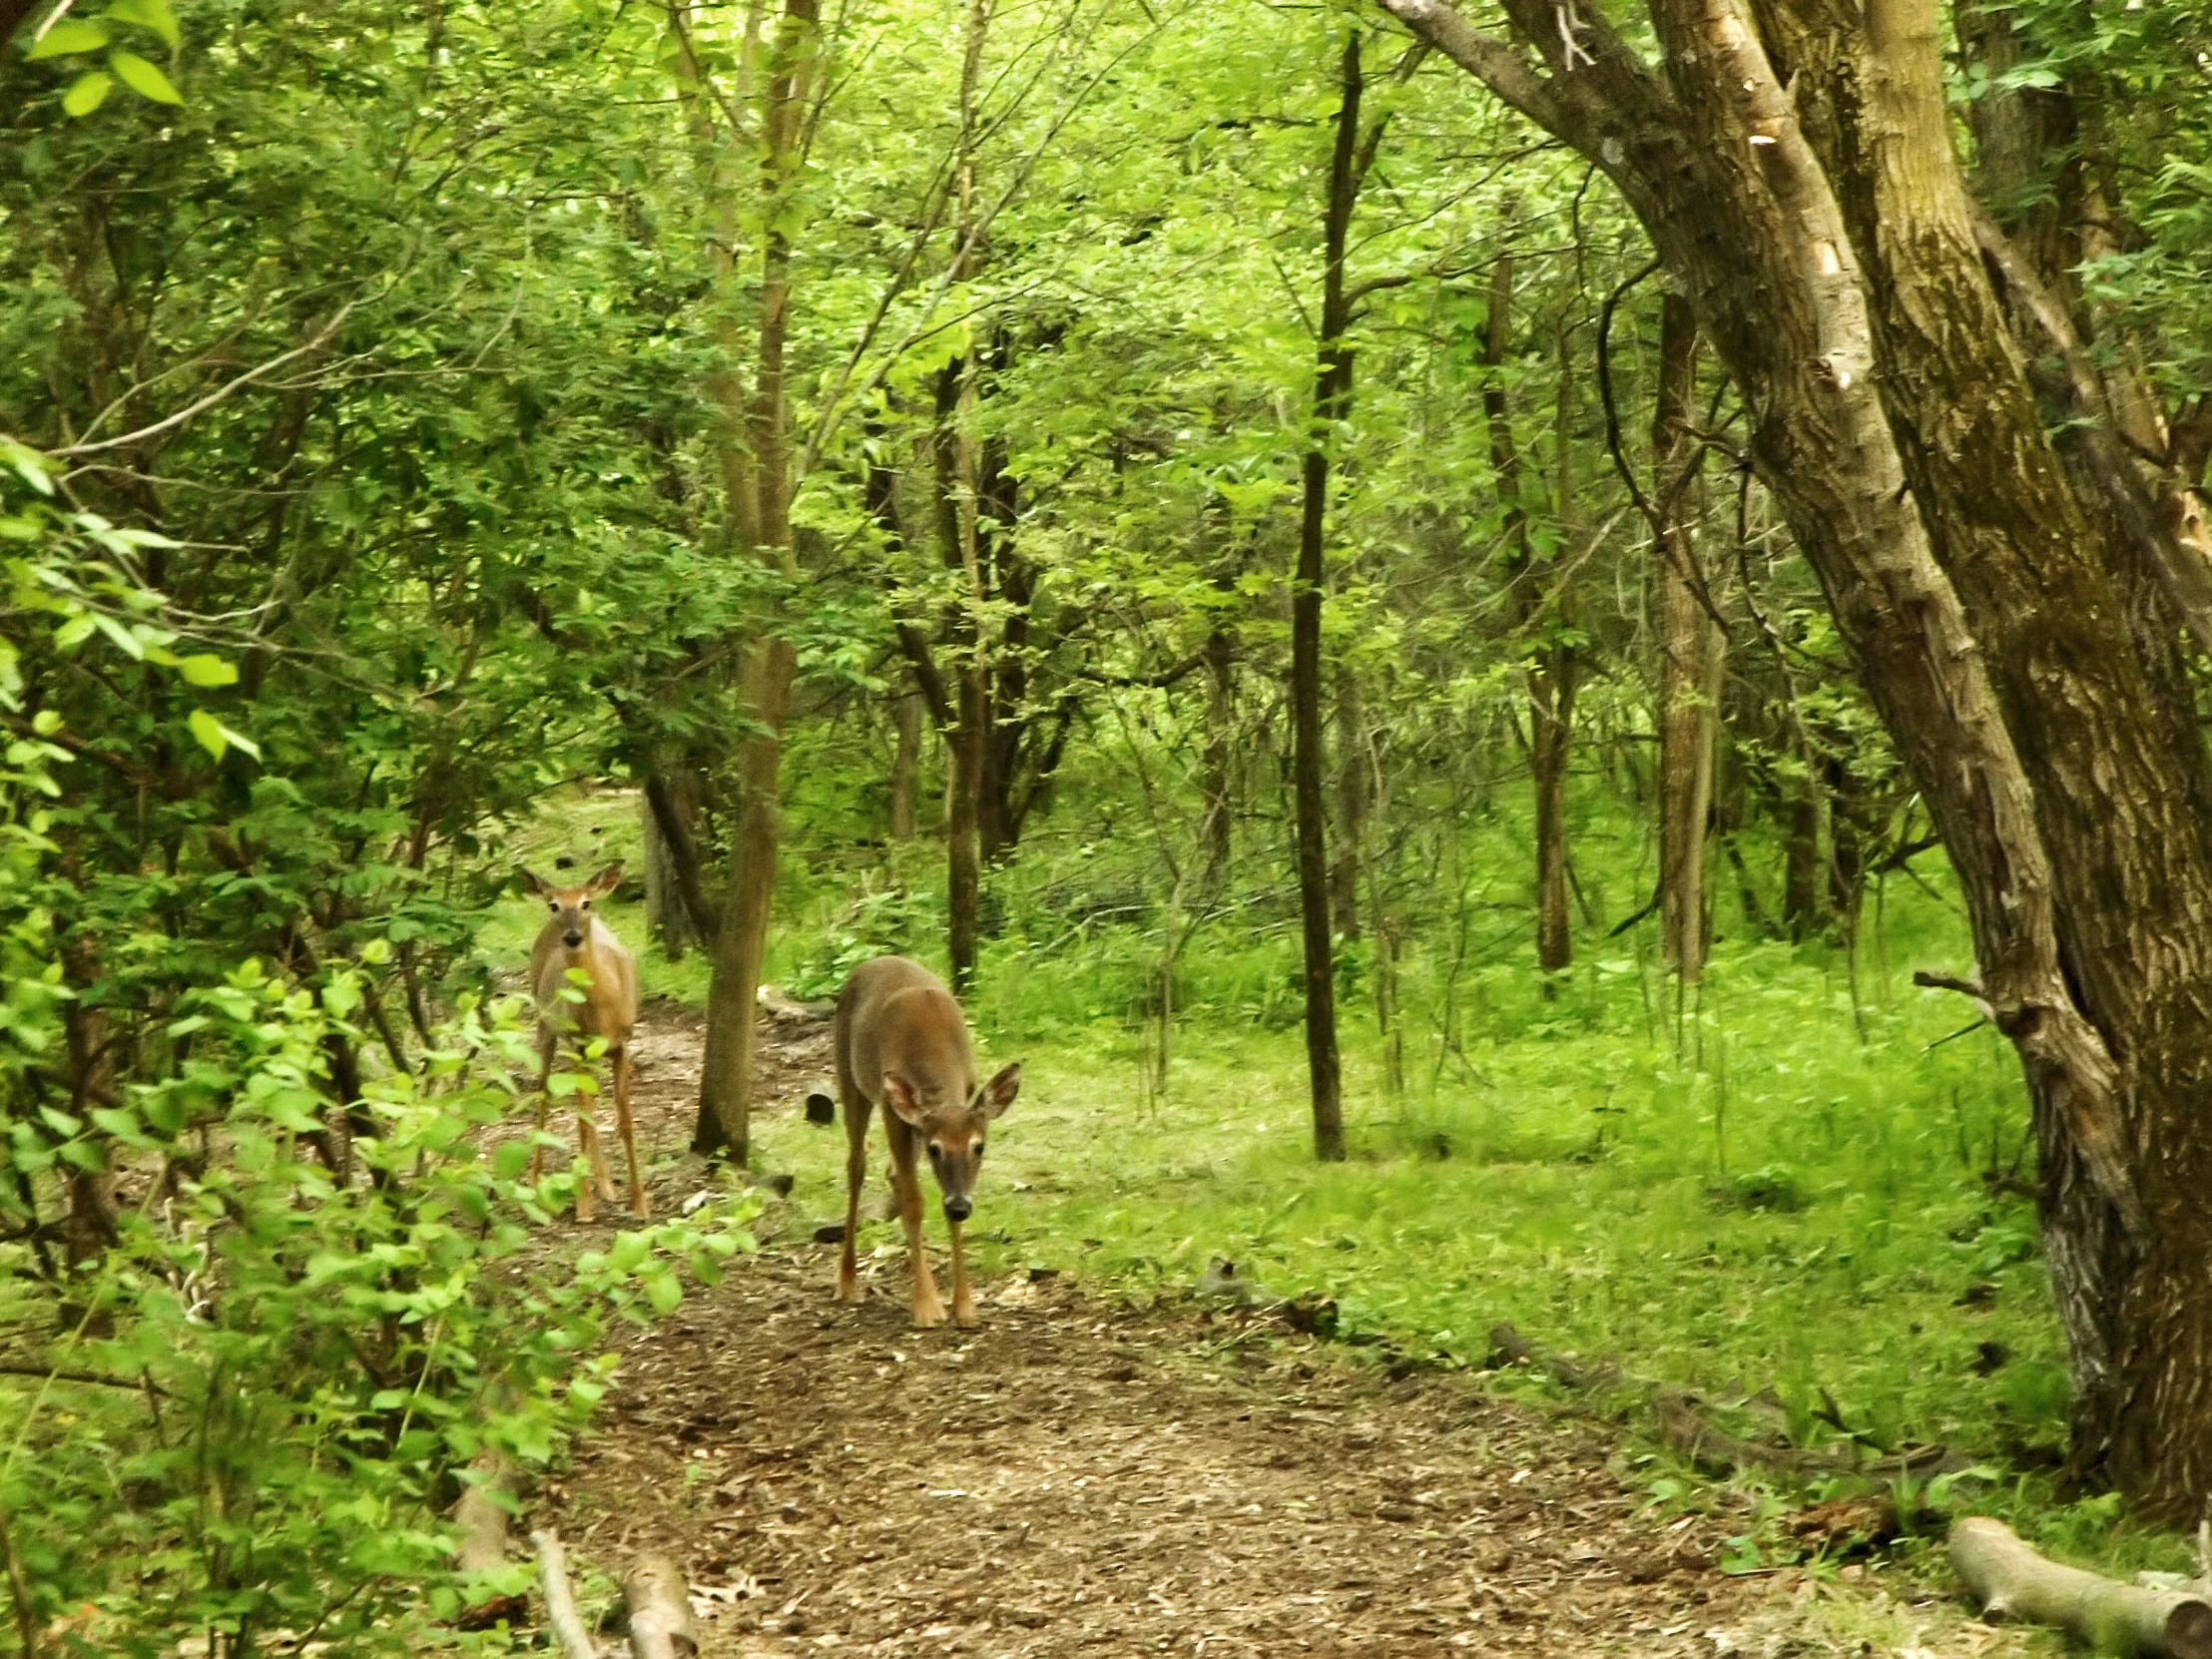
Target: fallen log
point(2013, 1582)
point(1691, 1433)
point(560, 1601)
point(1509, 1347)
point(658, 1597)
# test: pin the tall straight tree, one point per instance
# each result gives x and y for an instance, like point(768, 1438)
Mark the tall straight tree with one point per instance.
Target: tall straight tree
point(1349, 159)
point(754, 455)
point(1689, 649)
point(1551, 674)
point(2015, 623)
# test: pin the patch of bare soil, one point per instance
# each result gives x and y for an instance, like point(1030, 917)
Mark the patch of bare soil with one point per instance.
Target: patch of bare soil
point(1080, 1477)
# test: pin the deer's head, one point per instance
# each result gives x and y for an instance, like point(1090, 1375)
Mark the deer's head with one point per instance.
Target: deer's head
point(571, 906)
point(952, 1128)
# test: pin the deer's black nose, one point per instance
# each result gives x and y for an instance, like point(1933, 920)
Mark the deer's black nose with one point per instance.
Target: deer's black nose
point(572, 941)
point(957, 1209)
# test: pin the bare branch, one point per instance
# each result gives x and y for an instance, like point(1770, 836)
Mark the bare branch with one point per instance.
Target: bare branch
point(220, 395)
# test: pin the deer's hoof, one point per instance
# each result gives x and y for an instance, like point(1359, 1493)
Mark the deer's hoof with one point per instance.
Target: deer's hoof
point(965, 1319)
point(929, 1318)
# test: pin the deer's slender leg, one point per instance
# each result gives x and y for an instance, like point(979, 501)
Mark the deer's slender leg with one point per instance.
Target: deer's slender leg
point(963, 1303)
point(928, 1310)
point(640, 1204)
point(856, 1109)
point(546, 1043)
point(586, 1133)
point(587, 1154)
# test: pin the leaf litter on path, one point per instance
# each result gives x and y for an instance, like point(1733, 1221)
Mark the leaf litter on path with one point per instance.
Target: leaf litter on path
point(1077, 1476)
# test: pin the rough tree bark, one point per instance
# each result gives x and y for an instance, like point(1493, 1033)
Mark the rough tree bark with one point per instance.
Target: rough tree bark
point(1793, 168)
point(1689, 650)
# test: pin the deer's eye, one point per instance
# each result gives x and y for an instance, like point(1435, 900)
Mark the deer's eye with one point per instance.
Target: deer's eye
point(936, 1149)
point(552, 904)
point(585, 905)
point(980, 1152)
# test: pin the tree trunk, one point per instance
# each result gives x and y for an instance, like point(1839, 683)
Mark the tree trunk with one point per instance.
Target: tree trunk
point(1331, 406)
point(1551, 692)
point(670, 869)
point(756, 470)
point(1549, 678)
point(963, 789)
point(1801, 856)
point(1689, 652)
point(1218, 834)
point(906, 783)
point(1355, 775)
point(740, 942)
point(1802, 184)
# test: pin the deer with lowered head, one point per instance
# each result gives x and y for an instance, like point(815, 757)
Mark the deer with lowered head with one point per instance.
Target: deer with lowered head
point(903, 1044)
point(574, 937)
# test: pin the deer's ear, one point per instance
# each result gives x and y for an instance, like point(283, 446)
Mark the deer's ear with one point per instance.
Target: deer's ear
point(898, 1096)
point(999, 1092)
point(607, 879)
point(533, 885)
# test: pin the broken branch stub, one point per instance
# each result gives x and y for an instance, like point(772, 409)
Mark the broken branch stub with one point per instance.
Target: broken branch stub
point(657, 1595)
point(2013, 1582)
point(481, 1515)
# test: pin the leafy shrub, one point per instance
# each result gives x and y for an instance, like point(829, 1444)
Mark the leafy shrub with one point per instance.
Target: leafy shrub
point(295, 1366)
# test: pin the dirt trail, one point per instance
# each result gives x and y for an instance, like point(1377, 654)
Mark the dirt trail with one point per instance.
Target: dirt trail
point(1077, 1477)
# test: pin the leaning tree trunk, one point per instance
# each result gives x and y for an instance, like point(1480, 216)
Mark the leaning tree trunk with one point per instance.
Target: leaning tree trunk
point(1794, 169)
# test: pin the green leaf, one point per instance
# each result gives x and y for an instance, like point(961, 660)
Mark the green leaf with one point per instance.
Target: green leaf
point(90, 92)
point(29, 464)
point(215, 738)
point(663, 1293)
point(143, 78)
point(70, 35)
point(149, 14)
point(206, 668)
point(209, 730)
point(125, 641)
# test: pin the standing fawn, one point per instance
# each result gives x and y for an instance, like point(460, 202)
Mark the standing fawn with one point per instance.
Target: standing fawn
point(573, 938)
point(903, 1045)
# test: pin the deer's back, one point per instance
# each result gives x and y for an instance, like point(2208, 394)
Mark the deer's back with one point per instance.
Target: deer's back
point(895, 1016)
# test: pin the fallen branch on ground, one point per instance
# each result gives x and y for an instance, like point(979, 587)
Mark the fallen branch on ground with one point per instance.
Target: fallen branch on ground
point(2013, 1582)
point(560, 1600)
point(1686, 1428)
point(657, 1595)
